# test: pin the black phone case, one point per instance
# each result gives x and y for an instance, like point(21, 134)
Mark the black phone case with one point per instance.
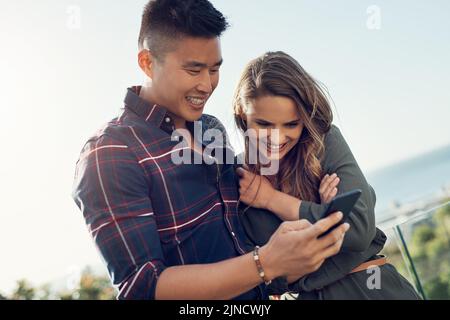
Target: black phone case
point(343, 203)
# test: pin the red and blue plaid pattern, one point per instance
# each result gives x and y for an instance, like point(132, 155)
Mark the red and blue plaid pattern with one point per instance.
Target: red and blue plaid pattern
point(146, 213)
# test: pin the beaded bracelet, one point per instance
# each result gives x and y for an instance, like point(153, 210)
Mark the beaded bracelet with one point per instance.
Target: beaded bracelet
point(259, 266)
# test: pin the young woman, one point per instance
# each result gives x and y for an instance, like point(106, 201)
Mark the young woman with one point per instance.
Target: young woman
point(275, 92)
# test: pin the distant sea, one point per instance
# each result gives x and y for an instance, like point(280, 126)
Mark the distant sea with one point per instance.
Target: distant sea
point(410, 180)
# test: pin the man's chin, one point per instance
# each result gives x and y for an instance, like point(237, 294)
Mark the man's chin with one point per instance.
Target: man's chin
point(194, 116)
point(193, 119)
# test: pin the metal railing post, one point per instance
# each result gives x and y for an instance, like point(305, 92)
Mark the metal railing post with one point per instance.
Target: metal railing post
point(411, 263)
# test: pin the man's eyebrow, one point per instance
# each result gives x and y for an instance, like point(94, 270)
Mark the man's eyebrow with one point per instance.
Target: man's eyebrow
point(196, 64)
point(268, 122)
point(219, 63)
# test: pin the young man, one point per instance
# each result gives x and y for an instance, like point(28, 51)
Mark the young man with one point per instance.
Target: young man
point(171, 231)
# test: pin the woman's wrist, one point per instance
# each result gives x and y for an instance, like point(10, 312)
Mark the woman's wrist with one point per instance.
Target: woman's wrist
point(286, 207)
point(272, 203)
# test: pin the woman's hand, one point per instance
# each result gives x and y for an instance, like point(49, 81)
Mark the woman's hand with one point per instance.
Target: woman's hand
point(328, 188)
point(255, 190)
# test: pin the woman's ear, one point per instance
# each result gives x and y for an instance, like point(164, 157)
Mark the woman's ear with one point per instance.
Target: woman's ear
point(240, 118)
point(243, 118)
point(146, 62)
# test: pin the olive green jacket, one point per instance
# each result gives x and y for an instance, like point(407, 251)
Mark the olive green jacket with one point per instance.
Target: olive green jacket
point(363, 240)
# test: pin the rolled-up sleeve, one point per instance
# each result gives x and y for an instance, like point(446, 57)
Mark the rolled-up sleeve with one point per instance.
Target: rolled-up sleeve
point(112, 191)
point(340, 160)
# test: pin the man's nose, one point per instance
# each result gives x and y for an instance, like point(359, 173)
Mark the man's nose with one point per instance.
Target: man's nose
point(205, 85)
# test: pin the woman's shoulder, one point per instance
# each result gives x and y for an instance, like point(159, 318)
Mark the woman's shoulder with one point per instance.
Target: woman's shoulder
point(336, 148)
point(333, 135)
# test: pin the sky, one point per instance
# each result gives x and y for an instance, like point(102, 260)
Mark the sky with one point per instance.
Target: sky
point(65, 67)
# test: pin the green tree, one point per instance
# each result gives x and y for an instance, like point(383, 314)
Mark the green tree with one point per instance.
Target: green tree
point(421, 236)
point(91, 287)
point(44, 292)
point(24, 291)
point(437, 289)
point(430, 249)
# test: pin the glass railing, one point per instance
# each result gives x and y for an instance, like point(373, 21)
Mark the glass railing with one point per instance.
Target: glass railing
point(419, 247)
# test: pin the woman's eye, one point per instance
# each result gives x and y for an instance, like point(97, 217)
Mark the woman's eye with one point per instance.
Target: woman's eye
point(262, 124)
point(213, 71)
point(292, 125)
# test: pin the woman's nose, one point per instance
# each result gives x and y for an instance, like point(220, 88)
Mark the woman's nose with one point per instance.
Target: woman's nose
point(276, 136)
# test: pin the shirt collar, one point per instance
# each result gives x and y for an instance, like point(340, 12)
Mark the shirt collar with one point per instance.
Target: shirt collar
point(150, 112)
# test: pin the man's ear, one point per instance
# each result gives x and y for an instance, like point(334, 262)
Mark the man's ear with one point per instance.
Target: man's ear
point(146, 62)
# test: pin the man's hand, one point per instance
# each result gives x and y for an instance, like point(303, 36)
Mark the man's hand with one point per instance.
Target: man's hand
point(295, 250)
point(328, 188)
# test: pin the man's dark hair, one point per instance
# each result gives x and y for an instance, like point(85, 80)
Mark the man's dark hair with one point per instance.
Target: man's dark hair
point(164, 21)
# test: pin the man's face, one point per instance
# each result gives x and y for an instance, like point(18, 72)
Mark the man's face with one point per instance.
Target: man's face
point(187, 76)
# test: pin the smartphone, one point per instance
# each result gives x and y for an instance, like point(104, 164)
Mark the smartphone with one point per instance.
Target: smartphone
point(343, 203)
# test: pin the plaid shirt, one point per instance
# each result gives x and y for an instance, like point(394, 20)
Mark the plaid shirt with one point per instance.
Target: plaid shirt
point(146, 213)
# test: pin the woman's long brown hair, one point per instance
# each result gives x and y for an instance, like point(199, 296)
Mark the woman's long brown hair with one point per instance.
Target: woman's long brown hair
point(278, 74)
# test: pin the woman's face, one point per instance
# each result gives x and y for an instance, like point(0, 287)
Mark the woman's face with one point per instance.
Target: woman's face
point(277, 124)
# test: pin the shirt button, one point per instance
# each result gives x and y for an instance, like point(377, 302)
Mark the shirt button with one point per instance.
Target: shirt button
point(232, 233)
point(167, 120)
